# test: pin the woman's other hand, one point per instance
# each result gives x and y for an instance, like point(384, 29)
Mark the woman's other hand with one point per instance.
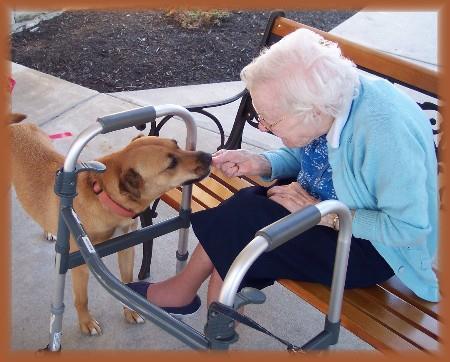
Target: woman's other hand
point(241, 162)
point(293, 197)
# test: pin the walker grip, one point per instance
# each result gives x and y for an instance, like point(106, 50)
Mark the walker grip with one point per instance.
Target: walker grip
point(290, 226)
point(131, 118)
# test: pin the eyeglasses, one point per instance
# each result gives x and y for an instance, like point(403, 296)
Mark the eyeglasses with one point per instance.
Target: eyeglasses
point(265, 125)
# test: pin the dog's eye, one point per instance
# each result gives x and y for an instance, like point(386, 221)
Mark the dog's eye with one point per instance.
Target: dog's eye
point(173, 162)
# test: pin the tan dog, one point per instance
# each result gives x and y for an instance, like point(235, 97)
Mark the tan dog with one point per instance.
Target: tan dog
point(134, 176)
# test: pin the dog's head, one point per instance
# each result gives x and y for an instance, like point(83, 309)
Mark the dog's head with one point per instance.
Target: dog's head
point(147, 168)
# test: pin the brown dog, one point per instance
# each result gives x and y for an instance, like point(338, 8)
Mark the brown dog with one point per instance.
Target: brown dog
point(134, 176)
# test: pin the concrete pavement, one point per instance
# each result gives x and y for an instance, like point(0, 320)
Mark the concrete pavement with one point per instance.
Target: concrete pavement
point(58, 106)
point(409, 35)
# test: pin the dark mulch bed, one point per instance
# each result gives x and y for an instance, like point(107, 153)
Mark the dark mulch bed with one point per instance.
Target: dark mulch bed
point(123, 51)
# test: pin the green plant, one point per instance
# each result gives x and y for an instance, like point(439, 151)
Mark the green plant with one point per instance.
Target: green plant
point(192, 19)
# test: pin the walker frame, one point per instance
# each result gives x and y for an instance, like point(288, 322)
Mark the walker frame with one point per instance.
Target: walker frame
point(219, 329)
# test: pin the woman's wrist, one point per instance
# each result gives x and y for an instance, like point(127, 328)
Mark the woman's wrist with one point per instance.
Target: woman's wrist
point(264, 167)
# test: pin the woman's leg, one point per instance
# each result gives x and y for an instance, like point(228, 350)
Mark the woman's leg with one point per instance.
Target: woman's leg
point(182, 288)
point(214, 287)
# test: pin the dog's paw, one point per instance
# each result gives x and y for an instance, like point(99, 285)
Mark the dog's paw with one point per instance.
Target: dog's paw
point(132, 317)
point(90, 327)
point(49, 236)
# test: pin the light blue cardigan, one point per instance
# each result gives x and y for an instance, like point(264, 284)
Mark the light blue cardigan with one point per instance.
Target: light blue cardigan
point(384, 167)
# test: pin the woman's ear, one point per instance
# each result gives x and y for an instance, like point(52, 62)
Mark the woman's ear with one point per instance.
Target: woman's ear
point(131, 183)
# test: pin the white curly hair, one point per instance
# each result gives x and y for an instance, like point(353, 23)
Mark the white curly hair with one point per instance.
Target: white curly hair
point(308, 75)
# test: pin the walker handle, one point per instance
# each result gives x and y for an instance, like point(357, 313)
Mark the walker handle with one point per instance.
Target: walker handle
point(290, 226)
point(125, 119)
point(131, 118)
point(263, 241)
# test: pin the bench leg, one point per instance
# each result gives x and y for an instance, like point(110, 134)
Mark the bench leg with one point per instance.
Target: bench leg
point(147, 252)
point(147, 247)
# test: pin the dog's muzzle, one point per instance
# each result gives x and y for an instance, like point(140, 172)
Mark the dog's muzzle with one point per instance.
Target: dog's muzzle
point(204, 159)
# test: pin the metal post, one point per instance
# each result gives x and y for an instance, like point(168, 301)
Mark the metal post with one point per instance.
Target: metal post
point(341, 258)
point(57, 309)
point(182, 253)
point(239, 268)
point(61, 266)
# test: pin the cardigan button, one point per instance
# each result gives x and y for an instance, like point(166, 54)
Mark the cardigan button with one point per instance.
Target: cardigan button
point(401, 269)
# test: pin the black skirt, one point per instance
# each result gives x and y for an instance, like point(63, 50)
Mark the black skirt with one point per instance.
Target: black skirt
point(225, 230)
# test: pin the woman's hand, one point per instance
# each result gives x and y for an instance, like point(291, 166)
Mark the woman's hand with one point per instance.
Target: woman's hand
point(293, 197)
point(241, 162)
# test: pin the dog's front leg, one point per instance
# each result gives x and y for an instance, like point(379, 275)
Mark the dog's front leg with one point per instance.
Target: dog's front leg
point(126, 266)
point(80, 277)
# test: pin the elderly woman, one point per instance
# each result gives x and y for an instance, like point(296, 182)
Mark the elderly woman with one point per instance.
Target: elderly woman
point(349, 137)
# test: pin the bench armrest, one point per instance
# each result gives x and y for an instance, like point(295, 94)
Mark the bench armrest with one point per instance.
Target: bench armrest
point(244, 114)
point(197, 107)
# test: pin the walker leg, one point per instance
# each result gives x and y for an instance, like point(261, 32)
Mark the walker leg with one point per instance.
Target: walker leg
point(56, 316)
point(182, 252)
point(57, 306)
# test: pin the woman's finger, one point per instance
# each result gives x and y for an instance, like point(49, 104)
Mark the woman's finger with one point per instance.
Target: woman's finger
point(291, 200)
point(219, 152)
point(273, 190)
point(283, 190)
point(229, 168)
point(287, 202)
point(299, 190)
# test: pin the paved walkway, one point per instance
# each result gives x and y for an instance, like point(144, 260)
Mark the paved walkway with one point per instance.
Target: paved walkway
point(57, 106)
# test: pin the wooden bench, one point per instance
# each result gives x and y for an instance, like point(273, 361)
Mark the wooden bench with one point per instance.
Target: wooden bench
point(387, 316)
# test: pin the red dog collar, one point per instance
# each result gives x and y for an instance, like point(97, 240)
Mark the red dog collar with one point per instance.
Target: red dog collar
point(107, 201)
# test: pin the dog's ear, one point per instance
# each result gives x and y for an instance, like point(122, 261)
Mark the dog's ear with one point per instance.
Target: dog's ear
point(131, 183)
point(138, 136)
point(16, 117)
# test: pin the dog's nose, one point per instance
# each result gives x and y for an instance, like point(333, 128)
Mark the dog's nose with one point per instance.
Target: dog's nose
point(205, 158)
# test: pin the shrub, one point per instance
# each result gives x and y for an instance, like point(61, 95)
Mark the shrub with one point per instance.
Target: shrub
point(192, 19)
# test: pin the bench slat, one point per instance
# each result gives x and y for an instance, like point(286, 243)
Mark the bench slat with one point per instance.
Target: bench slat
point(358, 322)
point(220, 190)
point(402, 309)
point(173, 199)
point(215, 188)
point(204, 198)
point(234, 184)
point(395, 286)
point(255, 180)
point(368, 58)
point(384, 316)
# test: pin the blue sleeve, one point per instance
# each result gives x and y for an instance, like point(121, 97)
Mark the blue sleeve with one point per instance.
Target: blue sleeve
point(285, 163)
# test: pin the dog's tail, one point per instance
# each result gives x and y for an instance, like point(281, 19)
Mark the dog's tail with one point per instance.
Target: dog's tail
point(16, 117)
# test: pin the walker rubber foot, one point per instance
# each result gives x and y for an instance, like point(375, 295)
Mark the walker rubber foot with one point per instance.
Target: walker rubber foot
point(46, 351)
